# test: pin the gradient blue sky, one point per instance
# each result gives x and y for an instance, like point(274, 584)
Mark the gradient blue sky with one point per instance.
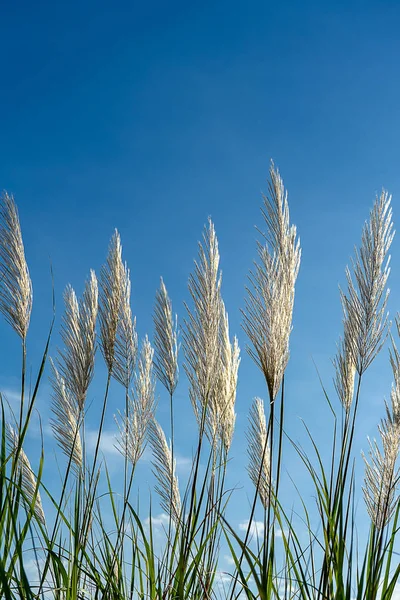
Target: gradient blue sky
point(151, 117)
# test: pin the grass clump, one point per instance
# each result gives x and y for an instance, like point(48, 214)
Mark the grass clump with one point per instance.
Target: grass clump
point(75, 552)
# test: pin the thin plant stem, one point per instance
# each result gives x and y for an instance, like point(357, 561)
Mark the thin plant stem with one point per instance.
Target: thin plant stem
point(23, 374)
point(253, 507)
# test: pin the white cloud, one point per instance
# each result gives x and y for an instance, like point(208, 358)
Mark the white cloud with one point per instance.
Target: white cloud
point(396, 592)
point(223, 579)
point(158, 521)
point(183, 463)
point(147, 454)
point(12, 396)
point(108, 442)
point(12, 402)
point(256, 527)
point(33, 571)
point(279, 533)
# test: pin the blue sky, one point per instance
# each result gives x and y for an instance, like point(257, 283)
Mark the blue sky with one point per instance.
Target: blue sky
point(151, 117)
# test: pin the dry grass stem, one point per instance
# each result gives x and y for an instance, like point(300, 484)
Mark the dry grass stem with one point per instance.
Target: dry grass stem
point(364, 305)
point(269, 305)
point(28, 479)
point(165, 340)
point(259, 451)
point(126, 342)
point(15, 282)
point(164, 471)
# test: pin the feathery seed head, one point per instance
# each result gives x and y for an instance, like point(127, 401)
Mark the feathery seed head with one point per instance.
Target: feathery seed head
point(78, 333)
point(126, 342)
point(230, 361)
point(66, 421)
point(345, 371)
point(394, 415)
point(130, 441)
point(202, 327)
point(15, 282)
point(269, 306)
point(133, 426)
point(89, 306)
point(144, 381)
point(364, 305)
point(164, 470)
point(380, 481)
point(28, 479)
point(381, 475)
point(259, 451)
point(165, 340)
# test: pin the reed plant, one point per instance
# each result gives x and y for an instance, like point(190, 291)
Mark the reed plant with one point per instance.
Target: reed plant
point(66, 534)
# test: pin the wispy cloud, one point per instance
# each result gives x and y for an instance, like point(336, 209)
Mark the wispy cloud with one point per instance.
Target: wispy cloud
point(396, 592)
point(12, 396)
point(183, 463)
point(279, 533)
point(12, 401)
point(33, 571)
point(107, 443)
point(160, 521)
point(223, 579)
point(256, 527)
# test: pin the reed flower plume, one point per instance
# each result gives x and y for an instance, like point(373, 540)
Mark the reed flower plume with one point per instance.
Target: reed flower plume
point(66, 421)
point(165, 340)
point(345, 371)
point(15, 282)
point(258, 451)
point(133, 425)
point(364, 305)
point(126, 341)
point(112, 290)
point(269, 305)
point(130, 440)
point(78, 333)
point(164, 470)
point(145, 382)
point(26, 476)
point(202, 328)
point(230, 361)
point(381, 474)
